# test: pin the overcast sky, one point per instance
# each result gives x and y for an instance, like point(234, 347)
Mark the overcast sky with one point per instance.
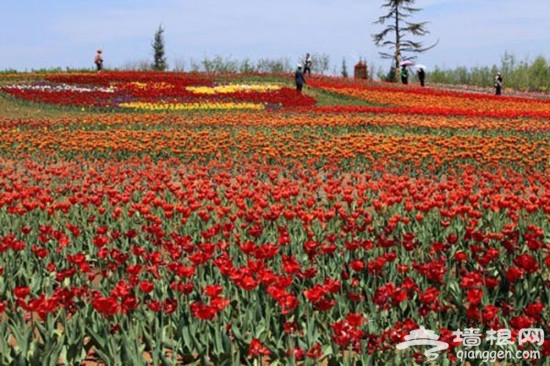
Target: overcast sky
point(66, 33)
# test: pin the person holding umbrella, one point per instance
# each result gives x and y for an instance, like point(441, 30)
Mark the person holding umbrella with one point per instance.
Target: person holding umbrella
point(405, 72)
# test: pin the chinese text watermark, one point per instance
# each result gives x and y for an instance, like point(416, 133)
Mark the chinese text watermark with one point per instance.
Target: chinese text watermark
point(472, 337)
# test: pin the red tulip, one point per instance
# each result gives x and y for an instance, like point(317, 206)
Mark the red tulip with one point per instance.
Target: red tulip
point(146, 286)
point(315, 351)
point(526, 262)
point(256, 349)
point(513, 273)
point(474, 296)
point(21, 292)
point(107, 306)
point(534, 310)
point(488, 313)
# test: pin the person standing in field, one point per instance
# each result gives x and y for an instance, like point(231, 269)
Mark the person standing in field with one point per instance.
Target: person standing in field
point(404, 75)
point(421, 76)
point(307, 64)
point(98, 60)
point(299, 78)
point(498, 83)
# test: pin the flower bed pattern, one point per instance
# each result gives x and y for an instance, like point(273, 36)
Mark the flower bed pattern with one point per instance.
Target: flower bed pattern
point(151, 91)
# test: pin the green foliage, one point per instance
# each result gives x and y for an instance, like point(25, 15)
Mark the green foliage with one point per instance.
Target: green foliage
point(518, 75)
point(246, 66)
point(539, 75)
point(391, 76)
point(226, 65)
point(159, 63)
point(220, 65)
point(223, 65)
point(137, 65)
point(344, 69)
point(326, 98)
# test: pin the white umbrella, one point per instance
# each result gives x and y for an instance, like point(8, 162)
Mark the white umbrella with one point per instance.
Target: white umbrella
point(420, 66)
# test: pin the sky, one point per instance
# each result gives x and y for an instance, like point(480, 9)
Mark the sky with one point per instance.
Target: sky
point(39, 34)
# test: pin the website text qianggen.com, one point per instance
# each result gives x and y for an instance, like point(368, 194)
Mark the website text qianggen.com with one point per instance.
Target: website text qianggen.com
point(494, 355)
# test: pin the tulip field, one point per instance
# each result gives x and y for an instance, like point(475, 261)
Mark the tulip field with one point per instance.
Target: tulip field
point(192, 219)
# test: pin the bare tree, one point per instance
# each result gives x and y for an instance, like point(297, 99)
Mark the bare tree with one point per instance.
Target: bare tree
point(398, 29)
point(321, 62)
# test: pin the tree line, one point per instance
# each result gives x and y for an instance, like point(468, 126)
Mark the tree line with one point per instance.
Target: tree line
point(523, 75)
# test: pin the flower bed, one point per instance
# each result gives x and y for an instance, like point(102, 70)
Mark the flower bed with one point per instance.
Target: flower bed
point(244, 237)
point(153, 91)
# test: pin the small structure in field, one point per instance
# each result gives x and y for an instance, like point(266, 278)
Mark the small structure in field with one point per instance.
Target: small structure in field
point(360, 70)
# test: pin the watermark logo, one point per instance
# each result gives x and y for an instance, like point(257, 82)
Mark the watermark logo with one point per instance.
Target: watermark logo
point(472, 337)
point(424, 337)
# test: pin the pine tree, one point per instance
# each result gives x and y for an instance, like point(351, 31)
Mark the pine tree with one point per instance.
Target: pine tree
point(159, 63)
point(344, 68)
point(399, 27)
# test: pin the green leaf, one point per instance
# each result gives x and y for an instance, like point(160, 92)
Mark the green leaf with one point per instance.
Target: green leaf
point(97, 340)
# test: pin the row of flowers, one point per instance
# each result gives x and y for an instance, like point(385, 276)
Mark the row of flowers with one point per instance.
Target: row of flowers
point(190, 106)
point(107, 78)
point(430, 101)
point(427, 123)
point(294, 142)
